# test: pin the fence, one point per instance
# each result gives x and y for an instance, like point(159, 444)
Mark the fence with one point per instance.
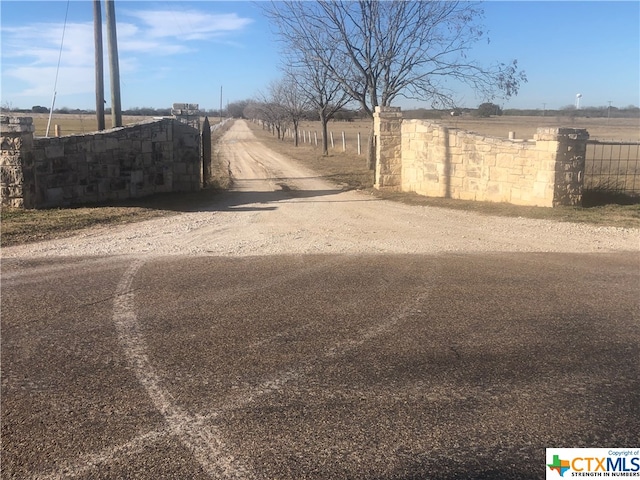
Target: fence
point(612, 167)
point(340, 141)
point(349, 140)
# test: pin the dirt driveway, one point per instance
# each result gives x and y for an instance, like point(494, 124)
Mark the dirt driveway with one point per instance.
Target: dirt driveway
point(280, 207)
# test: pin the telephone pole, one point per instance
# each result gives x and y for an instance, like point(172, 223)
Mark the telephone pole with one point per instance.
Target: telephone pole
point(114, 69)
point(97, 39)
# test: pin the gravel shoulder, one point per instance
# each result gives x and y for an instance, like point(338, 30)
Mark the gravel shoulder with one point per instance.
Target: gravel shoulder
point(279, 207)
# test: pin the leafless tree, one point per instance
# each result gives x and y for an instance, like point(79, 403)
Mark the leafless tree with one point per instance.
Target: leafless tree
point(293, 99)
point(381, 50)
point(323, 93)
point(270, 109)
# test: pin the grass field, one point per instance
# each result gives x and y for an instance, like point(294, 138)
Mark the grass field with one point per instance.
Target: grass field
point(75, 123)
point(615, 129)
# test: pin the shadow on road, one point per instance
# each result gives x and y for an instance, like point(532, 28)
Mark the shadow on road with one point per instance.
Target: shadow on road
point(244, 199)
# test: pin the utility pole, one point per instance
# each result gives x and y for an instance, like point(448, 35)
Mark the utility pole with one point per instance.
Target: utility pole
point(114, 69)
point(97, 40)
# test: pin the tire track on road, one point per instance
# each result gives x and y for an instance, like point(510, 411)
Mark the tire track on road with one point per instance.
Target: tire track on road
point(195, 431)
point(202, 440)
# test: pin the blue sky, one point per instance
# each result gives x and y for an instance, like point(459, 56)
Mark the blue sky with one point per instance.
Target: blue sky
point(183, 51)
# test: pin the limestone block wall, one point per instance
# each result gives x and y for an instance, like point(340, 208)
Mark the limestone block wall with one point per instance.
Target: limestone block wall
point(134, 161)
point(387, 131)
point(441, 162)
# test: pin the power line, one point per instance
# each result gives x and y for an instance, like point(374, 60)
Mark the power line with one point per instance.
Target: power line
point(55, 83)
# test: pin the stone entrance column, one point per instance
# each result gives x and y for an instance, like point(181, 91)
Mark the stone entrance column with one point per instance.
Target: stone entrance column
point(387, 128)
point(17, 181)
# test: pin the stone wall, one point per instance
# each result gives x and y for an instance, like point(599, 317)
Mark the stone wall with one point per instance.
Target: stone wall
point(16, 161)
point(387, 132)
point(134, 161)
point(442, 162)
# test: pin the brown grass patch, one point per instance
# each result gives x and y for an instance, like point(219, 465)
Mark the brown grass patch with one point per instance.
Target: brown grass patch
point(615, 129)
point(24, 226)
point(72, 123)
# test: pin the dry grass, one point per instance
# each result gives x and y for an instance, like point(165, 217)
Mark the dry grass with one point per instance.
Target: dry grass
point(24, 226)
point(616, 129)
point(343, 168)
point(220, 171)
point(624, 129)
point(625, 216)
point(75, 123)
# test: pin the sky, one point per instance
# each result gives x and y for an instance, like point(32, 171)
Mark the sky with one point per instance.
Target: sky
point(188, 51)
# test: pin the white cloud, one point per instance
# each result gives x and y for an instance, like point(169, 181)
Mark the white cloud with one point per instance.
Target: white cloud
point(39, 43)
point(30, 52)
point(39, 81)
point(189, 24)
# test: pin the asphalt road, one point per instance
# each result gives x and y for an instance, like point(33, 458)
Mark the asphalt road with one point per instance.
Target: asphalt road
point(399, 366)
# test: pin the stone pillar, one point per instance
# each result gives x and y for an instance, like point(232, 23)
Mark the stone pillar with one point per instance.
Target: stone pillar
point(387, 129)
point(570, 145)
point(188, 113)
point(17, 180)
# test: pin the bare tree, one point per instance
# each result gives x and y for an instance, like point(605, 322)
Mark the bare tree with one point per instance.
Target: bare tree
point(269, 113)
point(308, 68)
point(293, 99)
point(383, 50)
point(271, 109)
point(323, 93)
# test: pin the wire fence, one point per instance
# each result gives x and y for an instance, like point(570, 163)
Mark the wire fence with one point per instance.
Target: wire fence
point(613, 167)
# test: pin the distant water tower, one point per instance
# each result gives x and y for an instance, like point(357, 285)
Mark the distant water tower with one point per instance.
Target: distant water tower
point(578, 97)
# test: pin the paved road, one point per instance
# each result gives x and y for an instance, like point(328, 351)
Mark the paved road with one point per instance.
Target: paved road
point(448, 366)
point(297, 365)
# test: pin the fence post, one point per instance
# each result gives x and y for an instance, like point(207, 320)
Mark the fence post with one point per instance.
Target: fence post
point(344, 143)
point(315, 138)
point(331, 135)
point(206, 151)
point(359, 150)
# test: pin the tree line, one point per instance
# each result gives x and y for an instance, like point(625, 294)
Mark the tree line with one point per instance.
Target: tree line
point(239, 109)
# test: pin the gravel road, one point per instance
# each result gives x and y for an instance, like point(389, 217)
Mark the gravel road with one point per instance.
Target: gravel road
point(279, 207)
